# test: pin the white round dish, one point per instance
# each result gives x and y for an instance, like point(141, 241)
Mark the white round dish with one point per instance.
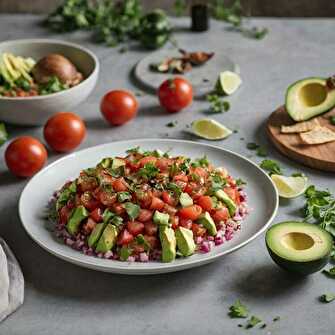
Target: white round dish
point(262, 198)
point(36, 110)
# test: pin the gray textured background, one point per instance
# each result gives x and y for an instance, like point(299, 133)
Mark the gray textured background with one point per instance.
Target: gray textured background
point(64, 299)
point(295, 8)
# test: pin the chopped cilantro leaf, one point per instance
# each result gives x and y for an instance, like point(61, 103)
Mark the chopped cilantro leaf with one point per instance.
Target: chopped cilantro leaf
point(240, 182)
point(149, 171)
point(261, 152)
point(174, 188)
point(252, 146)
point(140, 239)
point(171, 124)
point(271, 166)
point(123, 196)
point(330, 272)
point(201, 162)
point(217, 105)
point(252, 322)
point(125, 252)
point(277, 318)
point(238, 310)
point(132, 210)
point(263, 326)
point(327, 298)
point(135, 150)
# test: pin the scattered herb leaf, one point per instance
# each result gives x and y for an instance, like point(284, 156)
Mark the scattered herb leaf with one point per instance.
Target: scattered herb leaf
point(252, 322)
point(123, 196)
point(171, 124)
point(252, 146)
point(240, 182)
point(125, 252)
point(327, 298)
point(238, 310)
point(217, 105)
point(261, 152)
point(271, 166)
point(277, 318)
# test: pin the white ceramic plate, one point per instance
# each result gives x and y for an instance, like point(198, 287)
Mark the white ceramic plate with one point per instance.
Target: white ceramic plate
point(263, 198)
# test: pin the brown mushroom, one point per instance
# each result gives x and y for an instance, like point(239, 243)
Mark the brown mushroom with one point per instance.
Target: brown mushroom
point(56, 65)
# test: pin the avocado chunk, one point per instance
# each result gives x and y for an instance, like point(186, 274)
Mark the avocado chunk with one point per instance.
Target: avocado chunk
point(78, 215)
point(96, 234)
point(168, 242)
point(309, 97)
point(185, 241)
point(161, 218)
point(207, 221)
point(107, 239)
point(299, 247)
point(117, 162)
point(185, 200)
point(221, 195)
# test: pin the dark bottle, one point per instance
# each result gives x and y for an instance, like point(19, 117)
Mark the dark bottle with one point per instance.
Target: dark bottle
point(199, 15)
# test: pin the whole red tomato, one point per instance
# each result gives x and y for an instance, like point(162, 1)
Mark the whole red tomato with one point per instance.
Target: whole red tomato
point(118, 107)
point(25, 156)
point(64, 131)
point(175, 94)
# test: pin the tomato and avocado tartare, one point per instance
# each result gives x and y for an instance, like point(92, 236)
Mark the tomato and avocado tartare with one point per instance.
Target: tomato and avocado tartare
point(148, 206)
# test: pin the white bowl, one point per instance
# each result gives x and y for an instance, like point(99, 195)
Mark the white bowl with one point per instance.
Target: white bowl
point(33, 111)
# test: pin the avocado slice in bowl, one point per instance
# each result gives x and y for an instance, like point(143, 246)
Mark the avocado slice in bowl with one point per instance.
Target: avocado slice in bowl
point(299, 247)
point(309, 97)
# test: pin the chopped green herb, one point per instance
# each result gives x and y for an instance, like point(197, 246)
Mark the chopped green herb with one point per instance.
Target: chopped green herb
point(255, 32)
point(235, 131)
point(149, 171)
point(217, 105)
point(252, 322)
point(263, 326)
point(240, 182)
point(238, 310)
point(332, 120)
point(171, 124)
point(330, 272)
point(298, 174)
point(3, 134)
point(252, 146)
point(132, 210)
point(271, 166)
point(123, 196)
point(174, 188)
point(65, 195)
point(240, 325)
point(140, 239)
point(261, 152)
point(125, 252)
point(117, 221)
point(201, 162)
point(327, 298)
point(136, 150)
point(54, 85)
point(277, 318)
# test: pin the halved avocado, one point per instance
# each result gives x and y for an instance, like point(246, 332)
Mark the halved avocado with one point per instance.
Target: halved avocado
point(299, 247)
point(309, 97)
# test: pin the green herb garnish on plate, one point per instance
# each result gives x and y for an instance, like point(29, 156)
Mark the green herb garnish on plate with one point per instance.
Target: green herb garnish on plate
point(271, 166)
point(238, 310)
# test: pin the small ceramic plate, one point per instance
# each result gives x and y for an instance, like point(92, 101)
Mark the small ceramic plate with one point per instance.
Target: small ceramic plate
point(203, 77)
point(262, 195)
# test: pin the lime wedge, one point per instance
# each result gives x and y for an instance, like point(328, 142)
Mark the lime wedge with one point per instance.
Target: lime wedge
point(228, 82)
point(210, 129)
point(289, 187)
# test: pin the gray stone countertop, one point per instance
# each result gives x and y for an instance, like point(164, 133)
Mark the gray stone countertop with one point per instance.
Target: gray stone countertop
point(65, 299)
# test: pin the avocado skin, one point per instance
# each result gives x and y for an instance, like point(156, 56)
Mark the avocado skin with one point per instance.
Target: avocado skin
point(300, 268)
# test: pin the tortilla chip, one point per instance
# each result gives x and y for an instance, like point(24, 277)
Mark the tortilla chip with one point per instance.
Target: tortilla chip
point(301, 127)
point(318, 136)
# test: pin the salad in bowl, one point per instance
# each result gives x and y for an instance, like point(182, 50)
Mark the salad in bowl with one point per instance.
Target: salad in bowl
point(148, 206)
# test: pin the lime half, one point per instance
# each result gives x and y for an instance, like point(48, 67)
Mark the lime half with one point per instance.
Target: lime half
point(228, 82)
point(289, 187)
point(210, 129)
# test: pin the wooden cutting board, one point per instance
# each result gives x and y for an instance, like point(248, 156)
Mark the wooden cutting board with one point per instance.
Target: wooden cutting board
point(320, 156)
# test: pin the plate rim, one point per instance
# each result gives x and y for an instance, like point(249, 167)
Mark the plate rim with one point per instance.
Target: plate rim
point(161, 267)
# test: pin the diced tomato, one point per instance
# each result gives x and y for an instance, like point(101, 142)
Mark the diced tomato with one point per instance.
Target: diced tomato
point(170, 209)
point(64, 214)
point(221, 214)
point(125, 237)
point(181, 184)
point(156, 193)
point(186, 223)
point(96, 215)
point(133, 166)
point(174, 221)
point(135, 227)
point(86, 183)
point(146, 160)
point(190, 212)
point(105, 197)
point(145, 215)
point(118, 208)
point(198, 230)
point(168, 198)
point(152, 240)
point(232, 193)
point(105, 177)
point(205, 202)
point(150, 228)
point(88, 226)
point(163, 164)
point(89, 201)
point(157, 203)
point(180, 177)
point(201, 172)
point(191, 187)
point(119, 185)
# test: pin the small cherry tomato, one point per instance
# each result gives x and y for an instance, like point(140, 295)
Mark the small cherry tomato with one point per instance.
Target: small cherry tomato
point(64, 131)
point(157, 203)
point(25, 156)
point(175, 94)
point(144, 215)
point(118, 107)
